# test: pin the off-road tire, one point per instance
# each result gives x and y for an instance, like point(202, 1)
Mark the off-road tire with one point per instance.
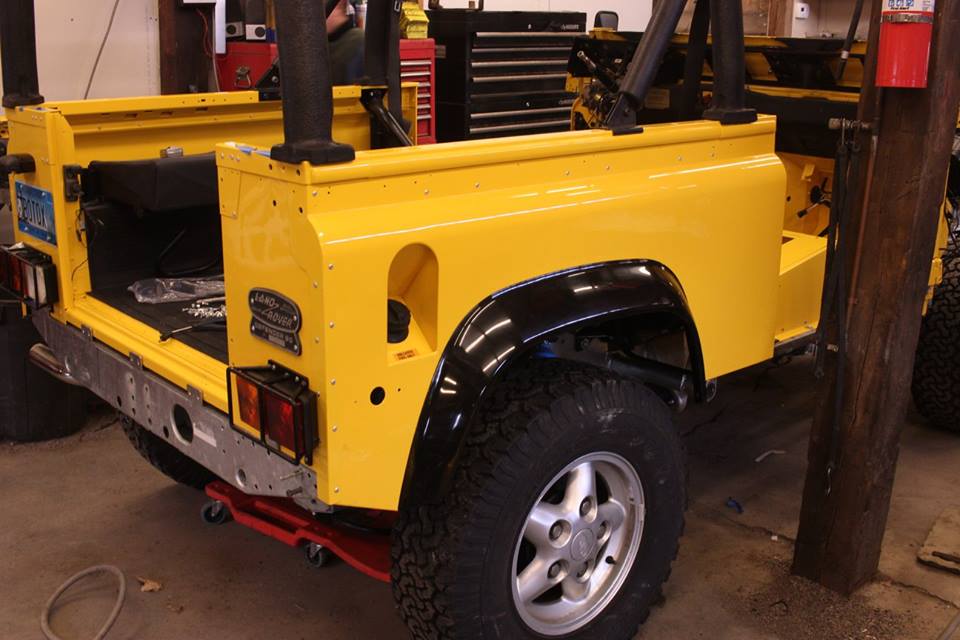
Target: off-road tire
point(165, 457)
point(936, 375)
point(453, 559)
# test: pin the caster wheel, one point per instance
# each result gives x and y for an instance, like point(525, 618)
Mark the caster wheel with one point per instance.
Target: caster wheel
point(319, 556)
point(215, 512)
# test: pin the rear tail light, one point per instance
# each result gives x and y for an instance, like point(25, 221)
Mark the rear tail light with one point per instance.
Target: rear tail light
point(30, 275)
point(276, 407)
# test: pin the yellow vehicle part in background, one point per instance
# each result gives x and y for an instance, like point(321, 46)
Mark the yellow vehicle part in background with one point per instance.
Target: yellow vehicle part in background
point(59, 134)
point(442, 228)
point(800, 305)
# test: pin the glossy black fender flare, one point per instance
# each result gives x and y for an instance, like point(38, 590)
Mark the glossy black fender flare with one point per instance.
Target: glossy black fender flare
point(506, 327)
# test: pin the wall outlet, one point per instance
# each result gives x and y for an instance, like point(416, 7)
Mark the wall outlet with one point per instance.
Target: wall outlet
point(802, 11)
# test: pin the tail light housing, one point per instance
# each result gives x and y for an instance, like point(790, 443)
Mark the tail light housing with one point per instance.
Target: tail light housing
point(276, 407)
point(29, 275)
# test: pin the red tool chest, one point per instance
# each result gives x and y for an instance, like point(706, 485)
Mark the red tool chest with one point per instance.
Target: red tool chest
point(418, 62)
point(244, 64)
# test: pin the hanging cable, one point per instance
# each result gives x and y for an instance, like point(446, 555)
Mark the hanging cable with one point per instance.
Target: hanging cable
point(848, 42)
point(208, 49)
point(833, 313)
point(103, 43)
point(951, 629)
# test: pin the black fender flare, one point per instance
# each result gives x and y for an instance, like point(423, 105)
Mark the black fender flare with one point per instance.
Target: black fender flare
point(506, 327)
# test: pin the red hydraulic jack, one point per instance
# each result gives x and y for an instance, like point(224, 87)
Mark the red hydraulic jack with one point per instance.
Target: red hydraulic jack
point(283, 520)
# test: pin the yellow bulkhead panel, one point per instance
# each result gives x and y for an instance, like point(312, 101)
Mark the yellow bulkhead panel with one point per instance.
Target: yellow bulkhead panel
point(802, 267)
point(703, 199)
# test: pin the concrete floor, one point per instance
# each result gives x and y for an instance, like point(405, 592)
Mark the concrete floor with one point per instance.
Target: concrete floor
point(90, 499)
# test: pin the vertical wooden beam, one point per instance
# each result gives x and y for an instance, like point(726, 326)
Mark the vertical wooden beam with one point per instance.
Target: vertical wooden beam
point(855, 442)
point(184, 64)
point(781, 15)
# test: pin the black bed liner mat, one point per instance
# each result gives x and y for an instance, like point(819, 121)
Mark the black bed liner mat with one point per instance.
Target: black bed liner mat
point(167, 317)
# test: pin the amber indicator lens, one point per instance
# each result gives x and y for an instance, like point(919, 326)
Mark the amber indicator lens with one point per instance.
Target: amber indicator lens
point(248, 399)
point(16, 271)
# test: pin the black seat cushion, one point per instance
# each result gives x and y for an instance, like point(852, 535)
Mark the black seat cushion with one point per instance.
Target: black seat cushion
point(158, 185)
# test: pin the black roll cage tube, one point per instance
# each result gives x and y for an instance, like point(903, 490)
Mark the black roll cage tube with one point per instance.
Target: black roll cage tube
point(729, 61)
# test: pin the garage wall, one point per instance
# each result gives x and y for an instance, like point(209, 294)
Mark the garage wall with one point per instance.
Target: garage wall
point(756, 17)
point(69, 34)
point(634, 14)
point(831, 18)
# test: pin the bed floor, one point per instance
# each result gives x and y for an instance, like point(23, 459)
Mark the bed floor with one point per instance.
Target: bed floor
point(168, 317)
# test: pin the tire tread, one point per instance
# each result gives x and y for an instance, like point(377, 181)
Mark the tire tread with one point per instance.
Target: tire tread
point(936, 375)
point(165, 458)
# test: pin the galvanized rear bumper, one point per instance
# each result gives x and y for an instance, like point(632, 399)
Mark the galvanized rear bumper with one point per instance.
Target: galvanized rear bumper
point(152, 402)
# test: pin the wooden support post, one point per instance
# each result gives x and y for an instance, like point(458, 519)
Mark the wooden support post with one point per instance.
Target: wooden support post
point(184, 63)
point(889, 243)
point(780, 18)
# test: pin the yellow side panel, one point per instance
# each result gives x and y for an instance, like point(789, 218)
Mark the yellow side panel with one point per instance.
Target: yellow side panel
point(703, 199)
point(802, 265)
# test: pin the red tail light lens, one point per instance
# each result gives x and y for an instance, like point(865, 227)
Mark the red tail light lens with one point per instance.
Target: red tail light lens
point(29, 274)
point(280, 420)
point(275, 406)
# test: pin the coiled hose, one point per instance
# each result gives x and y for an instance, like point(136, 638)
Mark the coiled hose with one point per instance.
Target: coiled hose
point(121, 596)
point(951, 629)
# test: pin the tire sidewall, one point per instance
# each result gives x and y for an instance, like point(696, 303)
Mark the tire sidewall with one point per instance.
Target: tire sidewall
point(638, 428)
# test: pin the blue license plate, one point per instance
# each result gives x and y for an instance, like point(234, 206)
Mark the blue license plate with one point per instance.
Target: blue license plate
point(35, 212)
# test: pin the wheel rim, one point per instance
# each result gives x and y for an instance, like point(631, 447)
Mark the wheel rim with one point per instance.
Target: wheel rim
point(578, 544)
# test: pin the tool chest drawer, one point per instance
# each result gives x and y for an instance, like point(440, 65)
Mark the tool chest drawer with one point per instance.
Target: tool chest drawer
point(502, 72)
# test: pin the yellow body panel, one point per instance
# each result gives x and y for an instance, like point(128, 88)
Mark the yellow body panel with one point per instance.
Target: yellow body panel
point(802, 265)
point(800, 283)
point(803, 174)
point(76, 133)
point(486, 215)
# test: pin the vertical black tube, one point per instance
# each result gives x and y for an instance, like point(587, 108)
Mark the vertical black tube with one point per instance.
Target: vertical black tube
point(851, 36)
point(375, 33)
point(382, 64)
point(729, 65)
point(306, 83)
point(696, 55)
point(18, 48)
point(382, 51)
point(645, 64)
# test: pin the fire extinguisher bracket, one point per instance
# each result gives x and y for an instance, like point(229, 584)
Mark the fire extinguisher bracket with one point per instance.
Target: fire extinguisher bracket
point(909, 18)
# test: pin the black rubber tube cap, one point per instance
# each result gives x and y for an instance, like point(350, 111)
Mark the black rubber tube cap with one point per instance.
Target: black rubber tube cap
point(398, 322)
point(316, 152)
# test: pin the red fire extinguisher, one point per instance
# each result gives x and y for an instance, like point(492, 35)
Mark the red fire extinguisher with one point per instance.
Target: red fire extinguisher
point(906, 31)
